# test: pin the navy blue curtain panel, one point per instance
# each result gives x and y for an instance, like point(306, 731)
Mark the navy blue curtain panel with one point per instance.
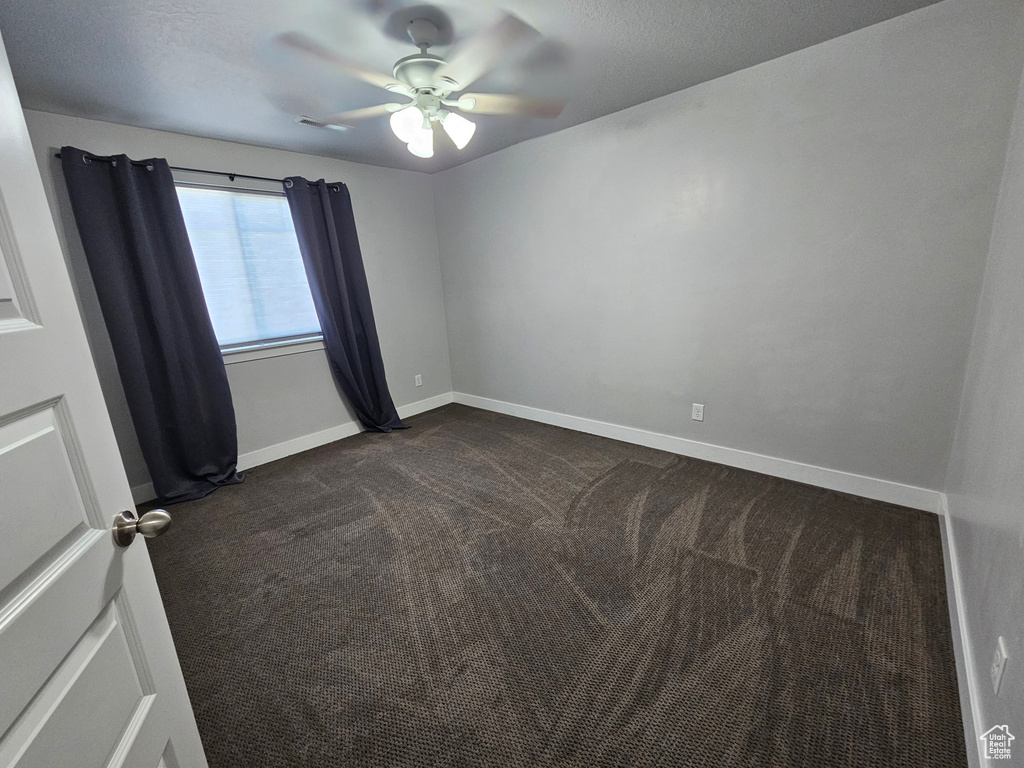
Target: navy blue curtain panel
point(152, 301)
point(326, 229)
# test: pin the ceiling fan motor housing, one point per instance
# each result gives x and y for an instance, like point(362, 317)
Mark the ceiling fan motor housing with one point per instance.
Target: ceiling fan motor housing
point(417, 71)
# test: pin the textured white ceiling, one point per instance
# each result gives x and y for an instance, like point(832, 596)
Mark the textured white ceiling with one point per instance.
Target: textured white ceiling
point(207, 67)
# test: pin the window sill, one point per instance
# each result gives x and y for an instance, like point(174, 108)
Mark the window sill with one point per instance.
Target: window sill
point(271, 349)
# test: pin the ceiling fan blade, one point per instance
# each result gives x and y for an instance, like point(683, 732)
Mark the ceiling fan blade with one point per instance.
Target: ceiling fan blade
point(478, 55)
point(355, 115)
point(307, 45)
point(507, 104)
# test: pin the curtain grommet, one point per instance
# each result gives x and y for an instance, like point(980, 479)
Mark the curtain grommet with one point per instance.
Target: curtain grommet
point(149, 166)
point(288, 183)
point(86, 160)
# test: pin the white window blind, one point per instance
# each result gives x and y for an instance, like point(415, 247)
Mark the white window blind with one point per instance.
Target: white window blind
point(249, 264)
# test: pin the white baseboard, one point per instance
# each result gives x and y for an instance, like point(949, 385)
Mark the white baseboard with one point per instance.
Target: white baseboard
point(965, 672)
point(297, 445)
point(833, 479)
point(315, 440)
point(142, 493)
point(421, 406)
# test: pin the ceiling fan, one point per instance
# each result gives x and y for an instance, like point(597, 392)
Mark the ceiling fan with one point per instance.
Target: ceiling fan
point(430, 82)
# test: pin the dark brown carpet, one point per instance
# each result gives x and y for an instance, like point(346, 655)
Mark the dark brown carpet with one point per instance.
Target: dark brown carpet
point(481, 590)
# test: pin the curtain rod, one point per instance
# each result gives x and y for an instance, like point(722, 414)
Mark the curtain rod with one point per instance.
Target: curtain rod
point(231, 176)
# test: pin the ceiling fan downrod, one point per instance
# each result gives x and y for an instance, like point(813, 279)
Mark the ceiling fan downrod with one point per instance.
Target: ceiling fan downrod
point(417, 71)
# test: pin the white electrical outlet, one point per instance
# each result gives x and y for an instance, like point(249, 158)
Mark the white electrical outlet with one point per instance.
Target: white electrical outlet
point(698, 412)
point(999, 657)
point(419, 380)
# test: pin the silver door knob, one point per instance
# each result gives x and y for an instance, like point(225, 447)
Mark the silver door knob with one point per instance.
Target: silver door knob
point(151, 524)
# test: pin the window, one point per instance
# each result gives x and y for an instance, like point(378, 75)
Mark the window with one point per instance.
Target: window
point(249, 264)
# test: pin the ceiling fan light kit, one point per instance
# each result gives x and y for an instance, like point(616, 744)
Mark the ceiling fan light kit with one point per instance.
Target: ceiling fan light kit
point(459, 129)
point(407, 122)
point(429, 80)
point(423, 144)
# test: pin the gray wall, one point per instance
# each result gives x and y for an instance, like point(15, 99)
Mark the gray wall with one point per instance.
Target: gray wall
point(985, 483)
point(280, 398)
point(799, 246)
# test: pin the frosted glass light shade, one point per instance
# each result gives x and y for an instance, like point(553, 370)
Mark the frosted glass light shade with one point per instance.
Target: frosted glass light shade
point(458, 128)
point(422, 144)
point(406, 123)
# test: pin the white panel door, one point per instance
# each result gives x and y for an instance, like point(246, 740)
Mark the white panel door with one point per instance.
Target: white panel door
point(88, 674)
